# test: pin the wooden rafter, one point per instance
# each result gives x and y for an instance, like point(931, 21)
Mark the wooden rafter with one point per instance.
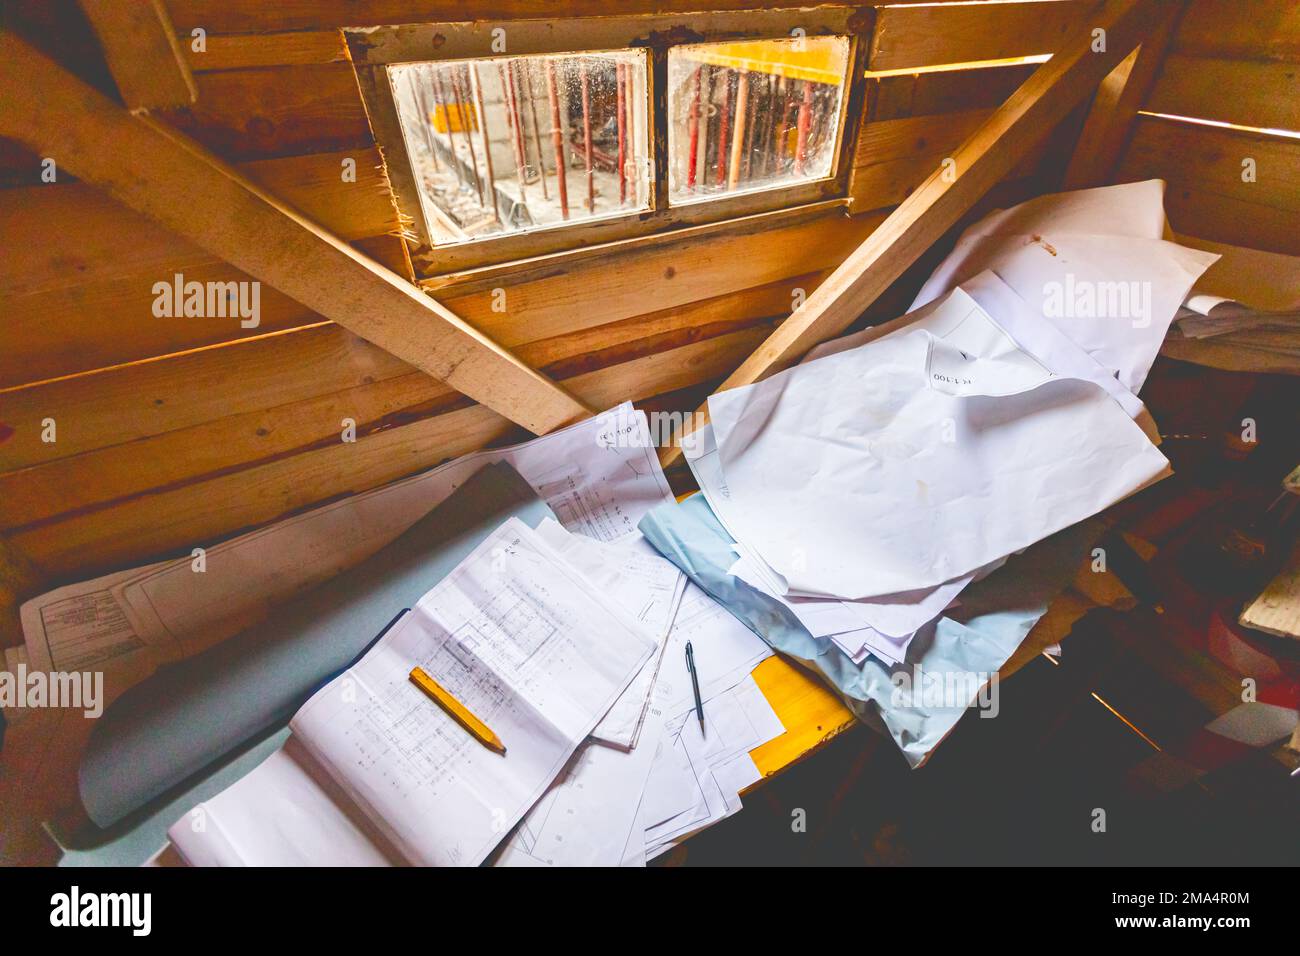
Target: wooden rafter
point(951, 190)
point(166, 176)
point(1109, 125)
point(143, 52)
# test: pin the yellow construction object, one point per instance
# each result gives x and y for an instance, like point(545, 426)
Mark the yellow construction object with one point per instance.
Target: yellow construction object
point(820, 59)
point(449, 117)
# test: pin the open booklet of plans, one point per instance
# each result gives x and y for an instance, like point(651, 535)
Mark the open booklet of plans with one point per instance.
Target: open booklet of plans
point(377, 773)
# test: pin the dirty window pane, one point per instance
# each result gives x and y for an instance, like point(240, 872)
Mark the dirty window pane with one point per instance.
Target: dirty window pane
point(510, 144)
point(752, 115)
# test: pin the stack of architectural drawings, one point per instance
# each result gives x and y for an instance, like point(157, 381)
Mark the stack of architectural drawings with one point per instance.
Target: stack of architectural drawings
point(558, 640)
point(553, 619)
point(869, 486)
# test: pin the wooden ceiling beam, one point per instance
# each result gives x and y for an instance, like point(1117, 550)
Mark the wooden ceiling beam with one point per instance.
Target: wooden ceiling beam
point(1109, 126)
point(142, 52)
point(951, 190)
point(160, 173)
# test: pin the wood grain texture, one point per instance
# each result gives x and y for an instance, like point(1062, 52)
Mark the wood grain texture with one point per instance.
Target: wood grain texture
point(1109, 122)
point(1206, 195)
point(1259, 30)
point(898, 155)
point(134, 431)
point(81, 298)
point(257, 16)
point(626, 285)
point(946, 91)
point(110, 239)
point(267, 112)
point(925, 35)
point(251, 50)
point(143, 54)
point(1244, 92)
point(138, 430)
point(98, 310)
point(19, 581)
point(886, 140)
point(178, 519)
point(1211, 157)
point(911, 123)
point(166, 177)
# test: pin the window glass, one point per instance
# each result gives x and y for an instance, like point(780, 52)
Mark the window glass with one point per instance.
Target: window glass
point(510, 144)
point(753, 115)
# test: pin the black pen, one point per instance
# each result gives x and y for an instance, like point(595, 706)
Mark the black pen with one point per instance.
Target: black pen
point(695, 685)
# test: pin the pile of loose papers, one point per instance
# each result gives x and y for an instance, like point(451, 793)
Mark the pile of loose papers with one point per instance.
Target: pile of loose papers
point(869, 486)
point(572, 650)
point(1243, 314)
point(567, 638)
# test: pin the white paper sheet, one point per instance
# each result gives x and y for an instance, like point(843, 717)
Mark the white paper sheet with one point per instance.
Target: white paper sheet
point(588, 815)
point(725, 650)
point(286, 812)
point(1091, 262)
point(643, 584)
point(859, 644)
point(910, 462)
point(85, 626)
point(1008, 324)
point(698, 774)
point(680, 796)
point(523, 641)
point(895, 614)
point(1205, 316)
point(1135, 210)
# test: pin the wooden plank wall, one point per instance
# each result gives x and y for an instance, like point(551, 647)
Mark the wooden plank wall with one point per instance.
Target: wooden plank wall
point(1236, 68)
point(173, 433)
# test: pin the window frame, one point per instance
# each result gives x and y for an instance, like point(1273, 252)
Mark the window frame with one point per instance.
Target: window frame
point(374, 49)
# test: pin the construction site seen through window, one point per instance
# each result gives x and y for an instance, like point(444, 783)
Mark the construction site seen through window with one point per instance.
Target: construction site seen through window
point(517, 143)
point(753, 115)
point(506, 145)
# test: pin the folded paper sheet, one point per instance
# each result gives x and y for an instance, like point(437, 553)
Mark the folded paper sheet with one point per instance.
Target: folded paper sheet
point(1017, 326)
point(698, 774)
point(928, 462)
point(287, 812)
point(1092, 262)
point(529, 646)
point(593, 815)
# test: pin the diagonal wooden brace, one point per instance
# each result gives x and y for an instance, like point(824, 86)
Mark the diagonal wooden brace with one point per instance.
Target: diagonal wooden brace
point(166, 176)
point(1085, 58)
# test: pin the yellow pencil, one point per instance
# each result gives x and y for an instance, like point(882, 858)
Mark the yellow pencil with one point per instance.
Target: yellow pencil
point(458, 711)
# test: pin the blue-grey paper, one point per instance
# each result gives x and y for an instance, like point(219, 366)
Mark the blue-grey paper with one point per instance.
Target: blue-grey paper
point(973, 640)
point(189, 714)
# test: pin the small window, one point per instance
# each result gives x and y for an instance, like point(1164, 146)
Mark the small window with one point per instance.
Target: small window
point(506, 141)
point(519, 143)
point(753, 115)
